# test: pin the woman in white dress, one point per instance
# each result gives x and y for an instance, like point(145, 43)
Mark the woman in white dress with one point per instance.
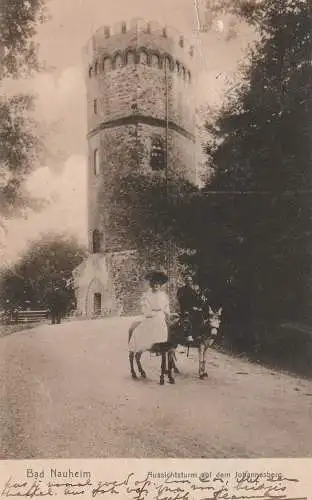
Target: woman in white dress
point(153, 327)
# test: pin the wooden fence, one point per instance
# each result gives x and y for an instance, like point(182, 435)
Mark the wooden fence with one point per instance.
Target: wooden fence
point(29, 316)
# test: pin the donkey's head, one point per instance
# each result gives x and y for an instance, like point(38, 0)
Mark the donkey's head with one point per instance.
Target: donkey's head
point(214, 320)
point(212, 323)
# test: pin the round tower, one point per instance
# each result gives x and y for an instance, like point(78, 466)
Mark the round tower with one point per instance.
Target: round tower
point(140, 118)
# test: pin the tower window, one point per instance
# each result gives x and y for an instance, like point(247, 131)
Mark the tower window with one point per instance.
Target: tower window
point(123, 28)
point(107, 64)
point(143, 57)
point(117, 62)
point(96, 162)
point(96, 241)
point(95, 109)
point(130, 59)
point(158, 156)
point(155, 61)
point(169, 64)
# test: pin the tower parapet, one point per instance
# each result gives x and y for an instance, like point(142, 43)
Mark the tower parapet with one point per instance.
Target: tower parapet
point(139, 36)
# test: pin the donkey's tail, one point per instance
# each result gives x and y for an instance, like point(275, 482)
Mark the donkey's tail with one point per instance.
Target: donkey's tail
point(132, 328)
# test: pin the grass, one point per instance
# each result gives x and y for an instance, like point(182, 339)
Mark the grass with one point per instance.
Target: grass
point(6, 330)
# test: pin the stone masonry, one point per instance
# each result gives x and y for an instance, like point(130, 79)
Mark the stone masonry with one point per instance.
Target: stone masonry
point(139, 93)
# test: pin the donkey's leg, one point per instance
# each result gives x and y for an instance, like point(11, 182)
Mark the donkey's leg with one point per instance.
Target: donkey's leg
point(201, 367)
point(131, 359)
point(163, 367)
point(174, 363)
point(205, 350)
point(170, 366)
point(138, 361)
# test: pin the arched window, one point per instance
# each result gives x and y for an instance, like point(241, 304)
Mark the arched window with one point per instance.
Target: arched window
point(168, 63)
point(96, 241)
point(95, 107)
point(144, 57)
point(96, 162)
point(130, 59)
point(155, 61)
point(117, 62)
point(158, 155)
point(107, 64)
point(123, 28)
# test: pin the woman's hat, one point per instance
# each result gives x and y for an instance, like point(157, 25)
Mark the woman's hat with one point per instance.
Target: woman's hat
point(157, 277)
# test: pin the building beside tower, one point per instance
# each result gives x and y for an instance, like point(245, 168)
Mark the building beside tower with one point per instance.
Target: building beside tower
point(140, 116)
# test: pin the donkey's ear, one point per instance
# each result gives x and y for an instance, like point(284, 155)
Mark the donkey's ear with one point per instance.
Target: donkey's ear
point(220, 310)
point(210, 310)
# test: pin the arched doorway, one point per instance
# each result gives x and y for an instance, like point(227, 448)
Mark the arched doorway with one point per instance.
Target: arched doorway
point(97, 304)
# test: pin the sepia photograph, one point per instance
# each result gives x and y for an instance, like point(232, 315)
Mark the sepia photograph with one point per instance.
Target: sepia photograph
point(155, 234)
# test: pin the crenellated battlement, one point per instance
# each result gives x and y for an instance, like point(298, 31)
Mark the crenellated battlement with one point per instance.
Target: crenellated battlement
point(139, 41)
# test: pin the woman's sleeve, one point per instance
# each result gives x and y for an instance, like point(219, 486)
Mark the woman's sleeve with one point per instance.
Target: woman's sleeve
point(145, 305)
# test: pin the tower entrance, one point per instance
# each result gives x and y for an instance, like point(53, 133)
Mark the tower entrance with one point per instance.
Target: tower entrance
point(97, 304)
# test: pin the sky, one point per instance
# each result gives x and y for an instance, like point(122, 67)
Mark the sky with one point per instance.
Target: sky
point(61, 102)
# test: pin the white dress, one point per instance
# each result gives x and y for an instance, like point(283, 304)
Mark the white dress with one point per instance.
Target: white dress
point(153, 327)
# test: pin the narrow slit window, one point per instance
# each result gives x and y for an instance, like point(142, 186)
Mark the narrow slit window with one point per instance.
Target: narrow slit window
point(158, 156)
point(96, 162)
point(96, 241)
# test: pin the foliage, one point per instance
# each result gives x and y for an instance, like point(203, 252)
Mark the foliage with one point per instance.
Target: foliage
point(19, 149)
point(19, 143)
point(18, 22)
point(260, 146)
point(152, 205)
point(257, 124)
point(47, 263)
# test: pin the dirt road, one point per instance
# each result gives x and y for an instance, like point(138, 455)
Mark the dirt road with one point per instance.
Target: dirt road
point(66, 391)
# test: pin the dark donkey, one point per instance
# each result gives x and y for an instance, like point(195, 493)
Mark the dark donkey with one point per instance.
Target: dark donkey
point(203, 326)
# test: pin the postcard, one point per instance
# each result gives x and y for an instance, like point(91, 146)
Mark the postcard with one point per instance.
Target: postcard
point(155, 275)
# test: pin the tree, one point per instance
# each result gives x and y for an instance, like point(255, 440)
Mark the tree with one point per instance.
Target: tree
point(19, 142)
point(260, 145)
point(47, 263)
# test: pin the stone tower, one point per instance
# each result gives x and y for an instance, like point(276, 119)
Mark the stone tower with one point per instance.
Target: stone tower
point(140, 119)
